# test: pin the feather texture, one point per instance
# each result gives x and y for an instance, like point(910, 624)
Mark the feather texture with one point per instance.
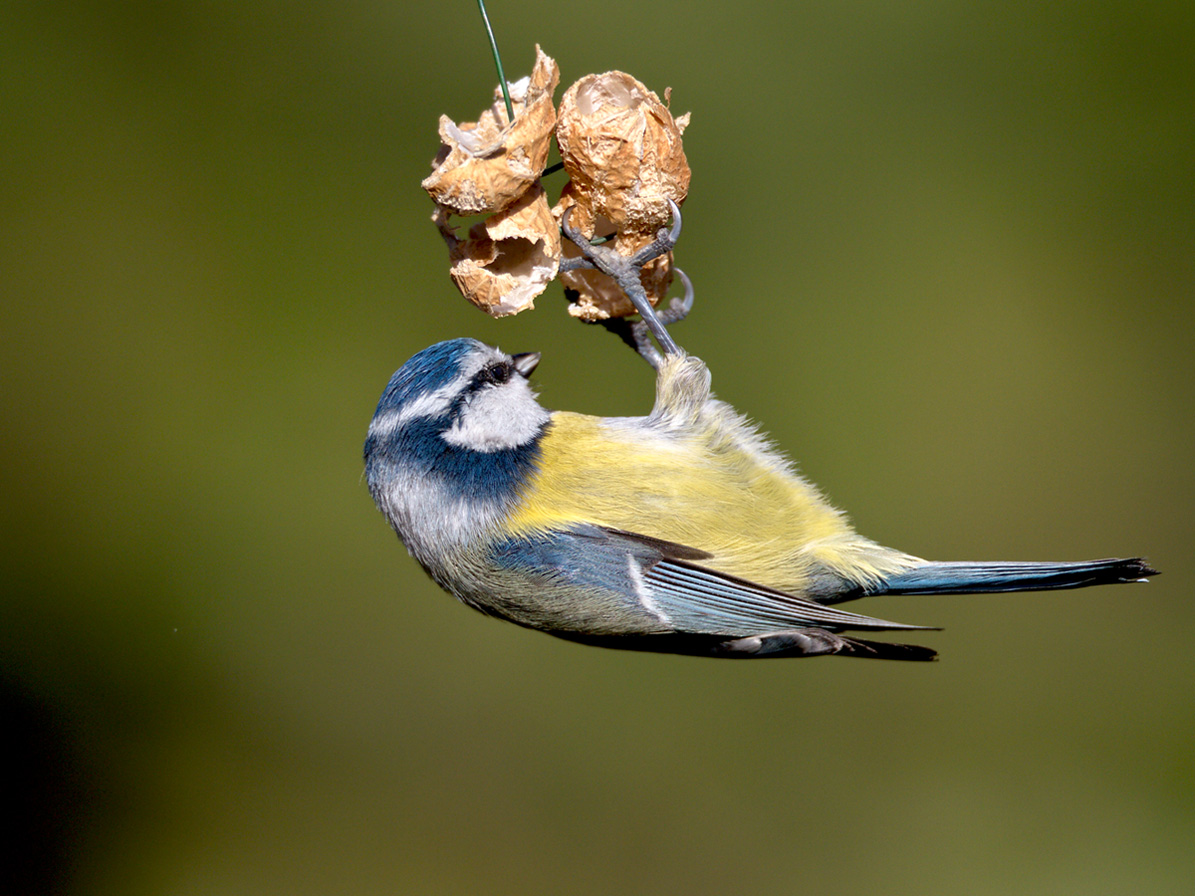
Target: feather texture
point(683, 531)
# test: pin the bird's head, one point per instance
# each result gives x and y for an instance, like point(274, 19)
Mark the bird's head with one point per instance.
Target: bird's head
point(460, 411)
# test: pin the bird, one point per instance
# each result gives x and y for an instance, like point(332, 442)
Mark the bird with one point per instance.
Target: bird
point(684, 531)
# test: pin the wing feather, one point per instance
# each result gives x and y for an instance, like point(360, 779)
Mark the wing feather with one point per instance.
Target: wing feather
point(649, 578)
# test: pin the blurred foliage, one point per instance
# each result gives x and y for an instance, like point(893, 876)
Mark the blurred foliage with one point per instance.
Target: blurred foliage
point(944, 251)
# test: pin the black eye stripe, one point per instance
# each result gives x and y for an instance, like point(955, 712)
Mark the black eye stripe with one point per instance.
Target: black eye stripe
point(497, 373)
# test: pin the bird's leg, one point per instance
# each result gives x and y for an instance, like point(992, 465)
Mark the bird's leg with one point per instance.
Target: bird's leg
point(636, 333)
point(625, 272)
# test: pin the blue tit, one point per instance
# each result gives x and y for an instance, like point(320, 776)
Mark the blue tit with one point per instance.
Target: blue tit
point(685, 531)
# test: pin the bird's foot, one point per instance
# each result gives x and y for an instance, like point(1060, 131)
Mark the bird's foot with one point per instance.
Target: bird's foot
point(624, 270)
point(818, 642)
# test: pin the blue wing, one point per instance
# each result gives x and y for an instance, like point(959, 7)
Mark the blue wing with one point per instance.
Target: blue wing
point(624, 583)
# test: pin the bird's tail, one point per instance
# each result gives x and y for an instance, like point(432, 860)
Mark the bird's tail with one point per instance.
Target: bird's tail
point(987, 578)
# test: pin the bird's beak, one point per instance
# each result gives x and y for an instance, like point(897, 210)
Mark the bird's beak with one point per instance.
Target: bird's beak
point(526, 362)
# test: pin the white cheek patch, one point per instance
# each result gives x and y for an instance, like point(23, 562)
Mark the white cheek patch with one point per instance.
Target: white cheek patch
point(498, 418)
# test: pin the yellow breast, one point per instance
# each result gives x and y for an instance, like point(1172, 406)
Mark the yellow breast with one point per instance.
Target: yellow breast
point(712, 488)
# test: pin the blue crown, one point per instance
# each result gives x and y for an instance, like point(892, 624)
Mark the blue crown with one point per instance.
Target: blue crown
point(435, 366)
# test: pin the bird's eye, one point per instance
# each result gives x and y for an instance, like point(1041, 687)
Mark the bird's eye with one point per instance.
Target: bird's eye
point(496, 373)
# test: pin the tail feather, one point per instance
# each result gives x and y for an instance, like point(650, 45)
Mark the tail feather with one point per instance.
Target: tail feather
point(989, 578)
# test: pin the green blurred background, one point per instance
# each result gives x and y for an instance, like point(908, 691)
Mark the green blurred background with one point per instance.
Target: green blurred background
point(945, 252)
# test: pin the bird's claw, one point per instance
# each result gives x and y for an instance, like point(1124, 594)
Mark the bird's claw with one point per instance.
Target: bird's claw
point(624, 271)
